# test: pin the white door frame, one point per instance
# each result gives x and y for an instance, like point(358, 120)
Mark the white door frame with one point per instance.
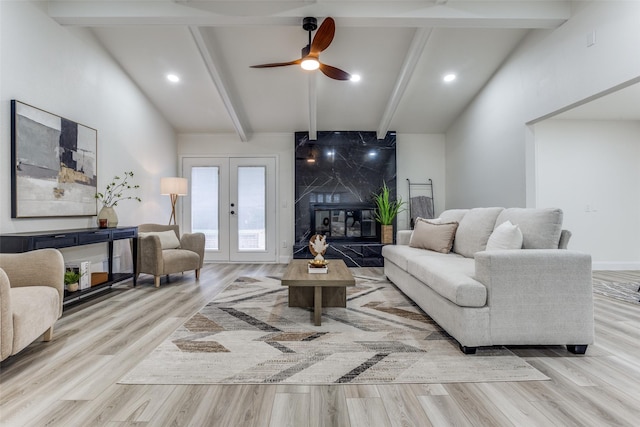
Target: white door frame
point(225, 252)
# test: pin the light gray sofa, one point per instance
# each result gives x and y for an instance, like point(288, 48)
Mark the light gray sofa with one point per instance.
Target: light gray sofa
point(540, 294)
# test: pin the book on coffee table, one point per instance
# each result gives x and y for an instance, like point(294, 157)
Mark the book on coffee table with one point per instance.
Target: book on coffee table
point(315, 270)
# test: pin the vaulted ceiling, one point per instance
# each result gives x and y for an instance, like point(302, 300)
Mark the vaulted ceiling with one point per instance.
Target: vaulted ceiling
point(401, 50)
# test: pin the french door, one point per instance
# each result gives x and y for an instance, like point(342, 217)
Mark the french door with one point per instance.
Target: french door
point(232, 200)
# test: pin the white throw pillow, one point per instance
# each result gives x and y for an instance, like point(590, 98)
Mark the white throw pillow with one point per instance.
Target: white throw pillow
point(168, 239)
point(505, 236)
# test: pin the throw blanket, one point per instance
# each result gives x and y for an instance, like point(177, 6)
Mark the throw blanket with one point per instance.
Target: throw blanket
point(421, 206)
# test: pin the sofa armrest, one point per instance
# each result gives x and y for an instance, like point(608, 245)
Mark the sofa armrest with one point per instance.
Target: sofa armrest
point(149, 256)
point(546, 292)
point(194, 242)
point(403, 237)
point(565, 236)
point(42, 267)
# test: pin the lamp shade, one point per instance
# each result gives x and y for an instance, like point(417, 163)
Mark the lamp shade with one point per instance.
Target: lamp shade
point(174, 185)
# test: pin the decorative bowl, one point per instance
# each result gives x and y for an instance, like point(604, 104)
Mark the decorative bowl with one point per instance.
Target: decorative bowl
point(318, 264)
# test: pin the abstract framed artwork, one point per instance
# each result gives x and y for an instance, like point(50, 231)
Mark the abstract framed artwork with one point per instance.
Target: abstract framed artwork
point(54, 165)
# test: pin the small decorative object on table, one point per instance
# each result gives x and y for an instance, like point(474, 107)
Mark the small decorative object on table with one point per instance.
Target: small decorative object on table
point(113, 194)
point(318, 247)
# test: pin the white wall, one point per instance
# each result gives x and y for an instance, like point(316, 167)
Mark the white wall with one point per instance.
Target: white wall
point(66, 72)
point(418, 158)
point(592, 170)
point(486, 156)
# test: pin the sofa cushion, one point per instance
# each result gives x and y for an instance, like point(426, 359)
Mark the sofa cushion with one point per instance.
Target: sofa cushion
point(541, 227)
point(474, 231)
point(452, 215)
point(505, 236)
point(434, 236)
point(450, 276)
point(168, 239)
point(401, 254)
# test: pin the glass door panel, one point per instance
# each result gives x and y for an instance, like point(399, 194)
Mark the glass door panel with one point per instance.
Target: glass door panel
point(253, 201)
point(205, 186)
point(203, 206)
point(251, 208)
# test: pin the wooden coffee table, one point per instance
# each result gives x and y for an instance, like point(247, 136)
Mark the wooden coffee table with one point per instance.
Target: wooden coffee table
point(317, 290)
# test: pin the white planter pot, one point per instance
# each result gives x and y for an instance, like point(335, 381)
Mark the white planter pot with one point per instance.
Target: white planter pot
point(108, 213)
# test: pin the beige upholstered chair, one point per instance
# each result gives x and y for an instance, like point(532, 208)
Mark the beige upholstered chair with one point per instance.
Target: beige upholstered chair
point(31, 294)
point(161, 251)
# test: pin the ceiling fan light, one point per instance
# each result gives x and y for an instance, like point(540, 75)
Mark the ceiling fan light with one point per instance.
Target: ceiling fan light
point(310, 63)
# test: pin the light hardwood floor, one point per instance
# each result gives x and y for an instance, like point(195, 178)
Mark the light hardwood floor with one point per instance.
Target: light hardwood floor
point(71, 381)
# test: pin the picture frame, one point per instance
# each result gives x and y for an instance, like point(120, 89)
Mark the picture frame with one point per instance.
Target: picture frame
point(54, 165)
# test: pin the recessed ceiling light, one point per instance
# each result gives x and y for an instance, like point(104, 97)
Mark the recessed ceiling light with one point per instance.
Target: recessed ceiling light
point(449, 78)
point(355, 77)
point(173, 78)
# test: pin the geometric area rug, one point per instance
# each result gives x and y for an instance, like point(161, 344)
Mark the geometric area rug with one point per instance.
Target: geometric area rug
point(249, 335)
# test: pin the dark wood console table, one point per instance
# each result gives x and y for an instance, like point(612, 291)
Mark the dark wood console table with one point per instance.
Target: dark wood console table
point(24, 242)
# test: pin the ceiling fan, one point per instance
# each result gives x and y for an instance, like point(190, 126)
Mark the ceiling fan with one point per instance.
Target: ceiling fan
point(309, 59)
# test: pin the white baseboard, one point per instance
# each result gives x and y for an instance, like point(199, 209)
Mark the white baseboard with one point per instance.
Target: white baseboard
point(284, 259)
point(617, 266)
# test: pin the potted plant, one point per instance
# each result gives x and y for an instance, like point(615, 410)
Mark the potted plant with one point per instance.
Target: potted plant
point(71, 279)
point(386, 211)
point(114, 193)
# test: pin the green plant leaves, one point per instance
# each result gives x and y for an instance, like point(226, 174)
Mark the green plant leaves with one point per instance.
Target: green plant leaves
point(386, 209)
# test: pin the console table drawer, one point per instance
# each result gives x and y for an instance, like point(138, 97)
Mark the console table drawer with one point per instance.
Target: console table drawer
point(125, 234)
point(56, 241)
point(95, 237)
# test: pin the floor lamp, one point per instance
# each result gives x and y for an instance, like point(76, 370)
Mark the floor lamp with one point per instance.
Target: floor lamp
point(174, 187)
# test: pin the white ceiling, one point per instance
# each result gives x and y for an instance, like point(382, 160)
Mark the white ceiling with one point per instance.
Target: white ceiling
point(400, 48)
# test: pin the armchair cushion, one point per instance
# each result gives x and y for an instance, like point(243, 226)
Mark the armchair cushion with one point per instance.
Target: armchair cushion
point(168, 239)
point(176, 260)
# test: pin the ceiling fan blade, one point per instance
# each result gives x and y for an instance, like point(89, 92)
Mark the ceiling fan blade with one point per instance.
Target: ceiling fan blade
point(334, 73)
point(277, 64)
point(324, 36)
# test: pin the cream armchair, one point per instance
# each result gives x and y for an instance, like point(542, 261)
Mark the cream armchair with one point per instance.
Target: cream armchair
point(161, 251)
point(31, 295)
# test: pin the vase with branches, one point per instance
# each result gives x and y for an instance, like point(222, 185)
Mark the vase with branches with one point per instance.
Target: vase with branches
point(117, 190)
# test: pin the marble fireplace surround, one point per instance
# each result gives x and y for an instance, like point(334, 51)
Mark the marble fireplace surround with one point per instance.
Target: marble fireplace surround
point(339, 172)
